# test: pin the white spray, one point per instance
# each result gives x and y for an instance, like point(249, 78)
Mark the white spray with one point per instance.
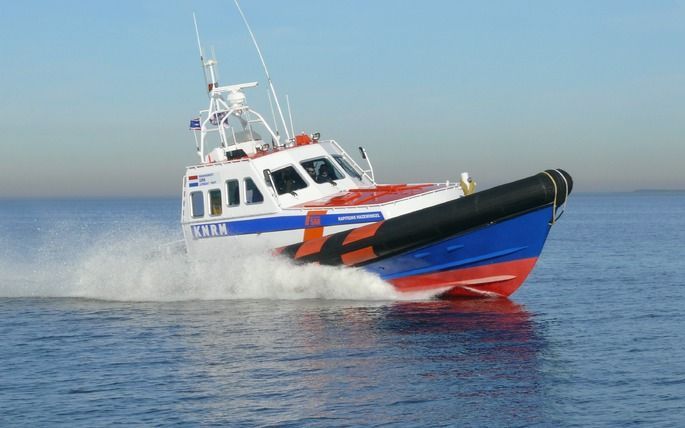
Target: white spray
point(132, 266)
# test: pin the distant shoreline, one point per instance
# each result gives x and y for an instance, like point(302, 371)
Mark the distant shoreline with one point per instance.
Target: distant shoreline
point(659, 191)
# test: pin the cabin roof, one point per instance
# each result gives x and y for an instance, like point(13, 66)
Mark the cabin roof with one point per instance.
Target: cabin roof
point(376, 195)
point(248, 157)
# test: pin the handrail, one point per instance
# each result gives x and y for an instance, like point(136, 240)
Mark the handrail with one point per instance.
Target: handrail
point(349, 158)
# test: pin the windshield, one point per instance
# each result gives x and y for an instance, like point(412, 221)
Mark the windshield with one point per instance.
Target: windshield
point(287, 180)
point(321, 170)
point(347, 167)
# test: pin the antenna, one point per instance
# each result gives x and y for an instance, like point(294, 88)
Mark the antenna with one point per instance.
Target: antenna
point(216, 72)
point(199, 47)
point(266, 71)
point(287, 101)
point(273, 114)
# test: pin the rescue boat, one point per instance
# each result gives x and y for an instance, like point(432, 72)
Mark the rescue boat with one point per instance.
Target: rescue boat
point(308, 199)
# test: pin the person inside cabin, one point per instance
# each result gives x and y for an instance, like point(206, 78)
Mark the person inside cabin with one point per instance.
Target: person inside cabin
point(311, 172)
point(324, 174)
point(288, 181)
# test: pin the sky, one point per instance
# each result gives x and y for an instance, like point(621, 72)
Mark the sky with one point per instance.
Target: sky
point(95, 97)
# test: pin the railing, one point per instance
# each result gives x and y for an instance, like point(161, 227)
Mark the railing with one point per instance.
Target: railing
point(349, 159)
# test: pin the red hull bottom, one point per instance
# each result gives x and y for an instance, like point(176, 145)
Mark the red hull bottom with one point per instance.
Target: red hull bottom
point(493, 280)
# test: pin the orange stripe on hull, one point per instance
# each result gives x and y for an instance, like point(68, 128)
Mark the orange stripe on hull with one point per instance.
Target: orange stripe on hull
point(362, 232)
point(313, 220)
point(494, 280)
point(312, 246)
point(358, 256)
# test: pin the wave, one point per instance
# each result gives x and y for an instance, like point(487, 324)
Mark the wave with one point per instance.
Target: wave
point(134, 266)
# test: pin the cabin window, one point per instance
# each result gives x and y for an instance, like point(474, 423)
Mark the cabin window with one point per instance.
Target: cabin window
point(215, 202)
point(349, 169)
point(287, 180)
point(197, 203)
point(252, 193)
point(233, 192)
point(321, 170)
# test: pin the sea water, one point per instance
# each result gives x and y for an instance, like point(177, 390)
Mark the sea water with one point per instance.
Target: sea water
point(103, 322)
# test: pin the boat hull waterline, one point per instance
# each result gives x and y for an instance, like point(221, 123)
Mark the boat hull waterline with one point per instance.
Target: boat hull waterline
point(481, 245)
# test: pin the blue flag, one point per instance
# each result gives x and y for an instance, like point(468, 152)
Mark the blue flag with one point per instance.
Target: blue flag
point(195, 124)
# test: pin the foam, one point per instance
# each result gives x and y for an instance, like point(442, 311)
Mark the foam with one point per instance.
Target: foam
point(136, 267)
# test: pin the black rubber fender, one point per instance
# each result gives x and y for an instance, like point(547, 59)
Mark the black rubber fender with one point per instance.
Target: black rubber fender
point(389, 237)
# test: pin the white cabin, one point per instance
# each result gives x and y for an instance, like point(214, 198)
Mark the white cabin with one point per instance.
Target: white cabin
point(283, 192)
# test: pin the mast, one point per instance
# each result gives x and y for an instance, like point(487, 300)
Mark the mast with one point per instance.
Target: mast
point(290, 114)
point(227, 102)
point(266, 70)
point(199, 48)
